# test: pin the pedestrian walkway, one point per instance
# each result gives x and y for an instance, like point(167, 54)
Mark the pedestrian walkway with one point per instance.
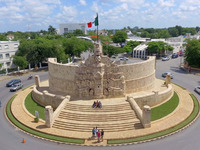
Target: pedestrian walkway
point(184, 109)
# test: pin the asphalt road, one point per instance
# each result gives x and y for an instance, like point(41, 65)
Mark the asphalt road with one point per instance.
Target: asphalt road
point(11, 138)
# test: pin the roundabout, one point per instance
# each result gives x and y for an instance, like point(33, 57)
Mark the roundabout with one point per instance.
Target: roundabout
point(185, 113)
point(129, 94)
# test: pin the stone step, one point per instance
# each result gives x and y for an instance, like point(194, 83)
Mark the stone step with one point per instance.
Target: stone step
point(111, 118)
point(105, 108)
point(97, 117)
point(87, 127)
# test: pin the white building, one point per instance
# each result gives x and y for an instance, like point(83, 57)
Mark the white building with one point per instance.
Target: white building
point(7, 50)
point(140, 51)
point(70, 28)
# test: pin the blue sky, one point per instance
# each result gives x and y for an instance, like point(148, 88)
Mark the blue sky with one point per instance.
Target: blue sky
point(36, 15)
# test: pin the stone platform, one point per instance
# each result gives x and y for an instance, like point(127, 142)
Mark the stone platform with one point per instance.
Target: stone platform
point(82, 118)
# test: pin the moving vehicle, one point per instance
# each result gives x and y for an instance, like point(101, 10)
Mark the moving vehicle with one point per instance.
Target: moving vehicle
point(30, 77)
point(166, 73)
point(16, 87)
point(123, 58)
point(197, 89)
point(174, 55)
point(12, 82)
point(166, 58)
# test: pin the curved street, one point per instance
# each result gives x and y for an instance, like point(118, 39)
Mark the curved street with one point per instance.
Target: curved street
point(11, 137)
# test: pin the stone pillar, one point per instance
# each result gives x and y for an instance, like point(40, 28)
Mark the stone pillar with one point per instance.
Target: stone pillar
point(48, 116)
point(146, 116)
point(156, 95)
point(29, 66)
point(40, 64)
point(37, 81)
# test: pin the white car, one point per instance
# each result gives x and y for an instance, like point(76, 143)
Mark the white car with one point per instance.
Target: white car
point(16, 87)
point(167, 73)
point(165, 58)
point(197, 89)
point(123, 58)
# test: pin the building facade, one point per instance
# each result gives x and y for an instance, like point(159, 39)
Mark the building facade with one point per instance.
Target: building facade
point(70, 28)
point(7, 50)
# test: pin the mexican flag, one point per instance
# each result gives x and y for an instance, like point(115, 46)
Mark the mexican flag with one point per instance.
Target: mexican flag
point(96, 22)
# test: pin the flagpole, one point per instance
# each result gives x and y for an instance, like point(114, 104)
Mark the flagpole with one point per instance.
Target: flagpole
point(97, 29)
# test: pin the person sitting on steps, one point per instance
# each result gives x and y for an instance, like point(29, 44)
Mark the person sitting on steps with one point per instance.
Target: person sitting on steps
point(99, 104)
point(94, 104)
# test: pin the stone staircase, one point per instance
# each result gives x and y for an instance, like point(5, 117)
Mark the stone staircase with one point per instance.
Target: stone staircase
point(111, 118)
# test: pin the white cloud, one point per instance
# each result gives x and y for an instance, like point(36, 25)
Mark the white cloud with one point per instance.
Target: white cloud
point(68, 14)
point(82, 2)
point(166, 3)
point(95, 7)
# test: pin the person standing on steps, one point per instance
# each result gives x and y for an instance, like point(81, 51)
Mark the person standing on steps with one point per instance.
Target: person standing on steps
point(98, 136)
point(102, 134)
point(93, 132)
point(96, 131)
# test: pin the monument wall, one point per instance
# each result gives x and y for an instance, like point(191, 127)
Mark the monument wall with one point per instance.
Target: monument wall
point(61, 77)
point(137, 76)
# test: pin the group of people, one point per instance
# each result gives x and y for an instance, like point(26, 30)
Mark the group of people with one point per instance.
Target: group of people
point(97, 104)
point(97, 133)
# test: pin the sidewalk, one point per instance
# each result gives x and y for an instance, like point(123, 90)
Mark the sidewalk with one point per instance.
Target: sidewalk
point(180, 114)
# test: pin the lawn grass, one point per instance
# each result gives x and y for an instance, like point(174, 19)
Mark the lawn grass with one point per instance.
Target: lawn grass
point(165, 132)
point(32, 106)
point(165, 109)
point(37, 133)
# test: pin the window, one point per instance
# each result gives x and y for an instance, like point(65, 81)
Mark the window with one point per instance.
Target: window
point(15, 45)
point(1, 56)
point(7, 55)
point(8, 64)
point(65, 30)
point(0, 46)
point(6, 46)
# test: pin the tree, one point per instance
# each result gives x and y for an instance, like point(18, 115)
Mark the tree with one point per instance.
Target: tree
point(173, 32)
point(78, 32)
point(51, 30)
point(131, 45)
point(192, 53)
point(20, 61)
point(120, 37)
point(3, 37)
point(163, 34)
point(38, 50)
point(111, 50)
point(145, 34)
point(157, 48)
point(180, 29)
point(74, 46)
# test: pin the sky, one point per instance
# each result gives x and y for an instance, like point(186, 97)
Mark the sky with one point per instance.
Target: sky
point(36, 15)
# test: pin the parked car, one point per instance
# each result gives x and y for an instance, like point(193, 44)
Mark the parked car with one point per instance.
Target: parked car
point(166, 58)
point(16, 87)
point(166, 73)
point(12, 82)
point(123, 58)
point(180, 53)
point(113, 56)
point(174, 55)
point(197, 89)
